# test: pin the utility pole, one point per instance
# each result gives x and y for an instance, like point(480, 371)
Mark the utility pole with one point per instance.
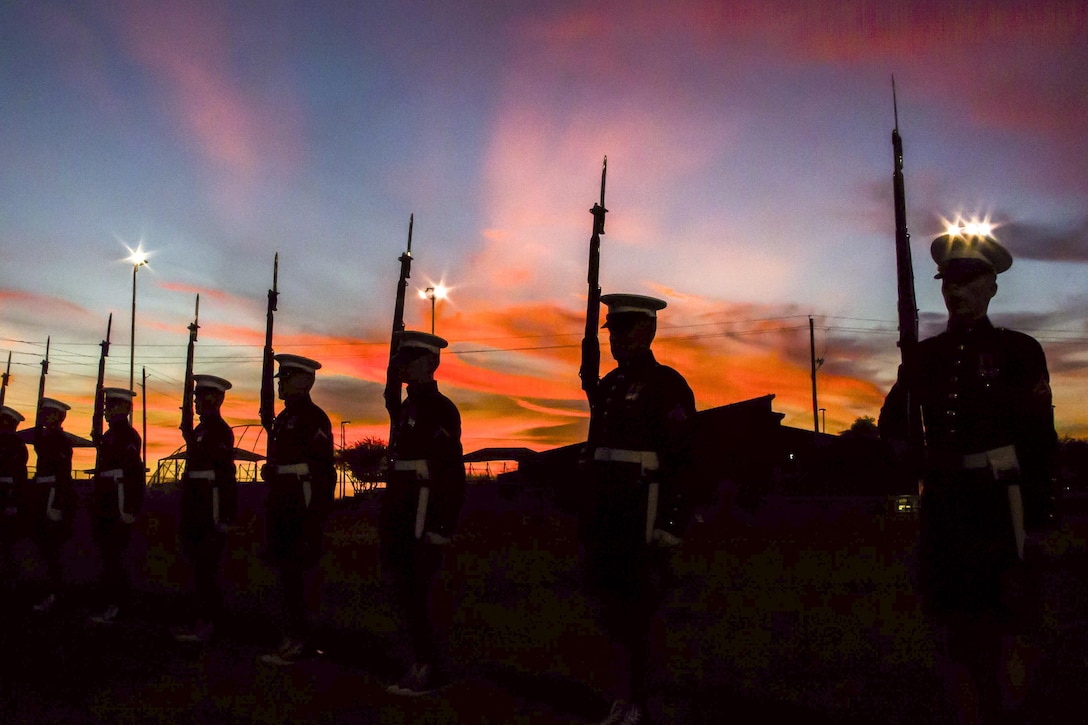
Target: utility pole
point(143, 395)
point(812, 355)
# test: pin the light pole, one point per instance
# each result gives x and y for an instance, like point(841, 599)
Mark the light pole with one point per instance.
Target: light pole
point(343, 463)
point(823, 419)
point(138, 259)
point(433, 294)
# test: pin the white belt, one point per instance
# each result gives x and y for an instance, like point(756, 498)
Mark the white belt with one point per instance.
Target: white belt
point(302, 470)
point(416, 465)
point(1000, 460)
point(646, 459)
point(208, 476)
point(113, 473)
point(45, 479)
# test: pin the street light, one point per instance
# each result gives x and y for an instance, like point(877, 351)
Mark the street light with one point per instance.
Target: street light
point(432, 294)
point(138, 259)
point(343, 463)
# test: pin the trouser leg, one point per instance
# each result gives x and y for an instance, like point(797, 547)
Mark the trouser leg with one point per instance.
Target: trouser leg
point(115, 578)
point(424, 577)
point(208, 597)
point(293, 579)
point(52, 546)
point(411, 570)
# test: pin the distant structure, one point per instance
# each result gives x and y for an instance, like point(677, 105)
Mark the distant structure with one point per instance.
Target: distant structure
point(170, 468)
point(746, 445)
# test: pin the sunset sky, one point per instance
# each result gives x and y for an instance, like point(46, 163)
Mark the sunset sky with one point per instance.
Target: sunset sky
point(749, 185)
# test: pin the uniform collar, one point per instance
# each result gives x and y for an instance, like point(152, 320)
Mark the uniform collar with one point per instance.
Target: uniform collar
point(967, 328)
point(640, 361)
point(300, 402)
point(423, 390)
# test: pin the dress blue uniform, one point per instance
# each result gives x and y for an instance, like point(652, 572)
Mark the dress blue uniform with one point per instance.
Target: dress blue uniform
point(421, 502)
point(51, 497)
point(13, 459)
point(301, 476)
point(118, 498)
point(982, 394)
point(209, 498)
point(640, 489)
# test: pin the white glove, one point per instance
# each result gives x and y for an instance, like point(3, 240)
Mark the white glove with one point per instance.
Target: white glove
point(128, 519)
point(664, 539)
point(54, 514)
point(436, 539)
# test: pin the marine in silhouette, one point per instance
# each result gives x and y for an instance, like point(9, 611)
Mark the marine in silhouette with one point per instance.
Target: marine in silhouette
point(421, 502)
point(209, 501)
point(301, 477)
point(986, 465)
point(638, 499)
point(119, 482)
point(50, 502)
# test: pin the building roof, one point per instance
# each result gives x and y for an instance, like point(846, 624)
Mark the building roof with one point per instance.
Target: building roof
point(26, 435)
point(240, 454)
point(499, 454)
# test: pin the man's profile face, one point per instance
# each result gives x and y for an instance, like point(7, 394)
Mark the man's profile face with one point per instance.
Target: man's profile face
point(118, 409)
point(294, 383)
point(414, 365)
point(206, 400)
point(53, 417)
point(967, 290)
point(630, 334)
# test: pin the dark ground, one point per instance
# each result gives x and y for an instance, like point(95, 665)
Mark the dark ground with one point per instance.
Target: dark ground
point(802, 612)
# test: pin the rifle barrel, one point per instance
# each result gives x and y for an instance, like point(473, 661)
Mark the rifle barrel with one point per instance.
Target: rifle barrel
point(267, 412)
point(392, 384)
point(4, 380)
point(590, 369)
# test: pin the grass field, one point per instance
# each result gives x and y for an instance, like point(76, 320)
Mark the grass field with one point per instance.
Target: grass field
point(803, 609)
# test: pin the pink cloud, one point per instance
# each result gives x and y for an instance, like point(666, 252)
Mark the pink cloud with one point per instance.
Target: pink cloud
point(189, 47)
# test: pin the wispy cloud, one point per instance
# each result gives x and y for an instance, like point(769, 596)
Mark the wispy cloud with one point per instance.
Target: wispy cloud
point(239, 123)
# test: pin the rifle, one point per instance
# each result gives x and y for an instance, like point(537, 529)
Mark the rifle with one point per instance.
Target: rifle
point(268, 384)
point(187, 390)
point(99, 397)
point(392, 384)
point(908, 306)
point(590, 371)
point(41, 388)
point(4, 380)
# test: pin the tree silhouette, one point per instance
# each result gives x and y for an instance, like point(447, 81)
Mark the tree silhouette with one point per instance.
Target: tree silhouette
point(863, 427)
point(366, 459)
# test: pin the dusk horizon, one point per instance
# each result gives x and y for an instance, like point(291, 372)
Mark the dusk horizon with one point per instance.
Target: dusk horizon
point(749, 185)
